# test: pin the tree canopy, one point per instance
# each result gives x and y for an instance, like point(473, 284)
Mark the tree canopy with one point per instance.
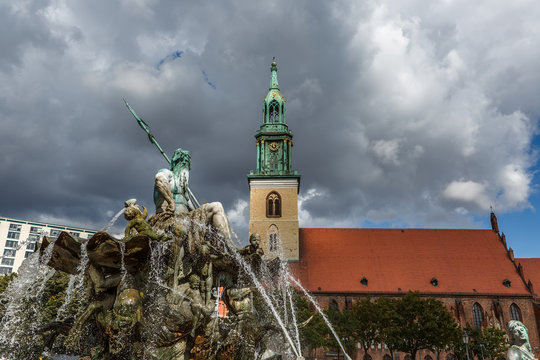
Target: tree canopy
point(407, 324)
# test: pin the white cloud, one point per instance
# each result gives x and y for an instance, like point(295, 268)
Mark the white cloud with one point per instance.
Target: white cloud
point(516, 186)
point(468, 192)
point(239, 215)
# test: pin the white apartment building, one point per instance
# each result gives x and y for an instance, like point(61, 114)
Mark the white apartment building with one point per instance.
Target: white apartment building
point(18, 239)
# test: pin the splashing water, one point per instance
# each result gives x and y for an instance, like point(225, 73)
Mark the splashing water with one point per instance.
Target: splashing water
point(22, 298)
point(293, 313)
point(297, 283)
point(67, 299)
point(122, 246)
point(113, 220)
point(247, 268)
point(76, 282)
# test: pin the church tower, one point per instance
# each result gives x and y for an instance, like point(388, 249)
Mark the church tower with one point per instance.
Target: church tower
point(273, 186)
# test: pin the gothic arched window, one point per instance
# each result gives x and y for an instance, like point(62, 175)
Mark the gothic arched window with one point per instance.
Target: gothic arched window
point(515, 312)
point(478, 315)
point(274, 112)
point(273, 205)
point(334, 305)
point(273, 237)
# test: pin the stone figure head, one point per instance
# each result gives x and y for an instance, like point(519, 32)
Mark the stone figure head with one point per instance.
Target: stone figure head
point(255, 239)
point(194, 282)
point(181, 158)
point(131, 212)
point(518, 334)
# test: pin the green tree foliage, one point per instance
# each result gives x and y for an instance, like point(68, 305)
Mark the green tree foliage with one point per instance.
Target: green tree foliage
point(409, 324)
point(345, 325)
point(387, 324)
point(486, 343)
point(423, 323)
point(312, 327)
point(494, 342)
point(367, 321)
point(4, 282)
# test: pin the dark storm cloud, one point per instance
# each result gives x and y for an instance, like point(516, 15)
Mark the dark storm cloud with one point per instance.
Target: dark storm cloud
point(402, 114)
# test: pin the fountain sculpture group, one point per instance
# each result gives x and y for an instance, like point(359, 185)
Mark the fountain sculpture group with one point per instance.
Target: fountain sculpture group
point(175, 287)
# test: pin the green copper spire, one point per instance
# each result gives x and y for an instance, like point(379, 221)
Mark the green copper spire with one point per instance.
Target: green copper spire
point(274, 85)
point(274, 102)
point(274, 140)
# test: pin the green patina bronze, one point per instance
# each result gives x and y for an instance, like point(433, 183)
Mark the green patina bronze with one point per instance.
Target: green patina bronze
point(274, 139)
point(520, 348)
point(180, 157)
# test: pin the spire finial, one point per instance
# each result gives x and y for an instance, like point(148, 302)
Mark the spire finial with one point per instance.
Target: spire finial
point(273, 81)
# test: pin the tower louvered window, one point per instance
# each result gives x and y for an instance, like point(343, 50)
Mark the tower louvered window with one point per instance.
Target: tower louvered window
point(515, 312)
point(274, 112)
point(478, 315)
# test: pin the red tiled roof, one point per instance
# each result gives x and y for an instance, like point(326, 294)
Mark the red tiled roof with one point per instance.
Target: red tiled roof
point(463, 261)
point(531, 270)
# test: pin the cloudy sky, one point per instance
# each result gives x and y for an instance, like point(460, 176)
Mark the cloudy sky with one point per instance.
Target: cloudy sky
point(405, 113)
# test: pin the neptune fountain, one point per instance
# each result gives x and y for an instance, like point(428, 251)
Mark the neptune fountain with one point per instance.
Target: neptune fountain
point(176, 286)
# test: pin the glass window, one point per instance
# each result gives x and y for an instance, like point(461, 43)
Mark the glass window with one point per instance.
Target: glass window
point(5, 270)
point(515, 312)
point(478, 315)
point(30, 246)
point(10, 252)
point(33, 237)
point(13, 235)
point(12, 244)
point(273, 205)
point(27, 254)
point(14, 227)
point(273, 242)
point(76, 234)
point(55, 233)
point(7, 261)
point(35, 229)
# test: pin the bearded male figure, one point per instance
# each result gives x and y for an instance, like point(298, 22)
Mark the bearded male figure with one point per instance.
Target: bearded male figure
point(172, 194)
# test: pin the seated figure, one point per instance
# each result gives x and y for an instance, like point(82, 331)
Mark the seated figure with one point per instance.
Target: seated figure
point(172, 195)
point(520, 348)
point(137, 221)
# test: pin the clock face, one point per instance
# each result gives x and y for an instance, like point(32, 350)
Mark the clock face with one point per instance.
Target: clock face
point(274, 146)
